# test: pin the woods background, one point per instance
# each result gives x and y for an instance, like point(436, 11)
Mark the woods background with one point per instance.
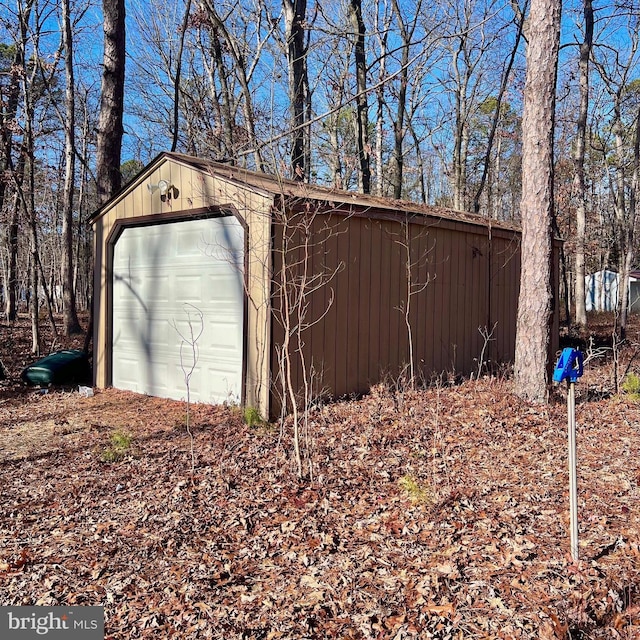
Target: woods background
point(412, 100)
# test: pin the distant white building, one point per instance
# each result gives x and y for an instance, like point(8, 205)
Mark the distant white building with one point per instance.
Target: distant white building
point(601, 291)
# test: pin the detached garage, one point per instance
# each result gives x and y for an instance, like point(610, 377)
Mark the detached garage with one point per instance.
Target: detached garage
point(218, 273)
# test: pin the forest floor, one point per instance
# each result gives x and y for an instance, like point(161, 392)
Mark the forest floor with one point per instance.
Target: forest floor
point(438, 513)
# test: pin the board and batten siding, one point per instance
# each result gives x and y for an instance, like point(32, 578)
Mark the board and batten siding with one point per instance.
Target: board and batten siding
point(354, 334)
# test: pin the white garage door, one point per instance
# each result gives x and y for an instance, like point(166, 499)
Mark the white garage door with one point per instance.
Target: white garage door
point(178, 309)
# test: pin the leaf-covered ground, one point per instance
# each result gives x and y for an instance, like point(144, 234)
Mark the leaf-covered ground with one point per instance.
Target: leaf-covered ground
point(441, 513)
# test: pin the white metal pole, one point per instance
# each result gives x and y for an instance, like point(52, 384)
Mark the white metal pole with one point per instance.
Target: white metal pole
point(573, 481)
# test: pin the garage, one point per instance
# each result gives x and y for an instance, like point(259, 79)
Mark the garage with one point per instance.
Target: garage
point(178, 309)
point(305, 292)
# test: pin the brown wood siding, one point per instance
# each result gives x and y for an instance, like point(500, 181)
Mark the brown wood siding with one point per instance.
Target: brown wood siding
point(325, 352)
point(361, 336)
point(443, 271)
point(351, 322)
point(375, 280)
point(391, 315)
point(456, 308)
point(505, 285)
point(385, 300)
point(342, 305)
point(364, 302)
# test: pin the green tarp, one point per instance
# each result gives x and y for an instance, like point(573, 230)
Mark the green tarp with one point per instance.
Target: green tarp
point(62, 367)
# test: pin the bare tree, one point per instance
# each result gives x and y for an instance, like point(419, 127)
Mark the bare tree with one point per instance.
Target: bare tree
point(534, 303)
point(235, 45)
point(302, 297)
point(176, 84)
point(71, 323)
point(616, 69)
point(27, 192)
point(463, 65)
point(12, 176)
point(580, 185)
point(362, 107)
point(407, 29)
point(382, 30)
point(414, 261)
point(498, 112)
point(295, 12)
point(188, 363)
point(110, 126)
point(335, 147)
point(474, 35)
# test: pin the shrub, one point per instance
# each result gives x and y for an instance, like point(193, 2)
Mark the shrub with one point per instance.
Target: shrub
point(252, 417)
point(417, 492)
point(631, 386)
point(120, 444)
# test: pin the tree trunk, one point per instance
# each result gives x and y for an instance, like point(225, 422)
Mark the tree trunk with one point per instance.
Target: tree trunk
point(629, 233)
point(578, 159)
point(380, 120)
point(11, 100)
point(534, 303)
point(227, 98)
point(70, 315)
point(8, 116)
point(398, 124)
point(362, 108)
point(420, 163)
point(459, 168)
point(110, 128)
point(12, 269)
point(28, 195)
point(622, 229)
point(178, 77)
point(335, 162)
point(496, 118)
point(295, 16)
point(242, 73)
point(13, 237)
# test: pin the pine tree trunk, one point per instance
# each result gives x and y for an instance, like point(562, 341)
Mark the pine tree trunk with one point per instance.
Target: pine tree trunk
point(534, 303)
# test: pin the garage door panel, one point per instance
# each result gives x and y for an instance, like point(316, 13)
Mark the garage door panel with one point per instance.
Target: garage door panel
point(222, 335)
point(156, 288)
point(128, 290)
point(125, 370)
point(226, 244)
point(135, 250)
point(221, 289)
point(141, 289)
point(224, 386)
point(133, 378)
point(143, 332)
point(191, 243)
point(152, 295)
point(189, 289)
